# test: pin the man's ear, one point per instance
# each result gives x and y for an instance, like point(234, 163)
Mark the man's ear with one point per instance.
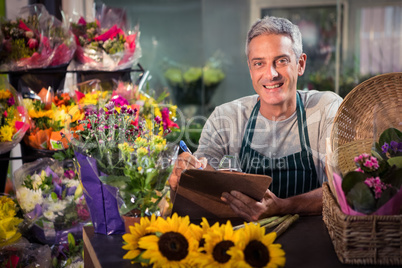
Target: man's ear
point(301, 65)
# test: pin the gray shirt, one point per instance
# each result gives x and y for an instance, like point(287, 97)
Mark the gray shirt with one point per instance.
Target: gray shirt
point(223, 132)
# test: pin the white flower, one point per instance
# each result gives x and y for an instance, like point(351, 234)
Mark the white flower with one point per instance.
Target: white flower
point(28, 198)
point(70, 183)
point(49, 215)
point(36, 181)
point(58, 206)
point(78, 264)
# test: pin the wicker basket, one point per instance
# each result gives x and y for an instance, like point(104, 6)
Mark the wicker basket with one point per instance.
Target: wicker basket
point(362, 240)
point(380, 98)
point(343, 157)
point(369, 109)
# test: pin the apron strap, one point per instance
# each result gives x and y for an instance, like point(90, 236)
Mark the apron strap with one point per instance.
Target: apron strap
point(301, 124)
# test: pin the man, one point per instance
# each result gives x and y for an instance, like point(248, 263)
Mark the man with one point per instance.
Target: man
point(279, 132)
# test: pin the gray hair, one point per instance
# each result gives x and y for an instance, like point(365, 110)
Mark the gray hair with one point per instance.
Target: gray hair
point(273, 25)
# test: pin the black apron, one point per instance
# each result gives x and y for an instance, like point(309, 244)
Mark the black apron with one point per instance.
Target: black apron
point(293, 174)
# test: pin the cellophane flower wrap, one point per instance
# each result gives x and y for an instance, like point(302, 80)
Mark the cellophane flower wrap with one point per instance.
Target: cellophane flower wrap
point(50, 194)
point(125, 146)
point(35, 40)
point(53, 117)
point(374, 187)
point(14, 120)
point(106, 43)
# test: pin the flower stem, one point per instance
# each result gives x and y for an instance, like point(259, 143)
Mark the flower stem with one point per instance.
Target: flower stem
point(261, 222)
point(285, 225)
point(275, 222)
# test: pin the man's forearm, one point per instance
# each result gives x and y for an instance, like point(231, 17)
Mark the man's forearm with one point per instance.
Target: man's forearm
point(304, 204)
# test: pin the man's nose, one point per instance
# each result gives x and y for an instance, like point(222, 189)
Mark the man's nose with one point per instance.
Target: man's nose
point(271, 72)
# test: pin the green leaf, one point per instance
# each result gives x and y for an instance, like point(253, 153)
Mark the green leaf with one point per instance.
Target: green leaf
point(361, 199)
point(390, 134)
point(351, 179)
point(386, 195)
point(54, 196)
point(393, 177)
point(397, 161)
point(116, 181)
point(71, 240)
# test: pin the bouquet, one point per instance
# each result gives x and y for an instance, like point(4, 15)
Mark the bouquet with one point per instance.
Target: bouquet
point(35, 40)
point(131, 153)
point(50, 195)
point(52, 119)
point(175, 242)
point(374, 187)
point(25, 254)
point(104, 44)
point(9, 221)
point(13, 117)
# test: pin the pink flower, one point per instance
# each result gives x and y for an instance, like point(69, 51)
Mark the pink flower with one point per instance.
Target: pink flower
point(377, 185)
point(33, 43)
point(167, 123)
point(119, 100)
point(110, 34)
point(5, 114)
point(10, 101)
point(82, 21)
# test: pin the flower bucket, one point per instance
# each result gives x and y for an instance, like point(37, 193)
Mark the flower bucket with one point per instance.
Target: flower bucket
point(36, 79)
point(108, 79)
point(101, 201)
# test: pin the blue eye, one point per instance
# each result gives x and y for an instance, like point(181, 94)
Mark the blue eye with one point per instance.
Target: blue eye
point(282, 62)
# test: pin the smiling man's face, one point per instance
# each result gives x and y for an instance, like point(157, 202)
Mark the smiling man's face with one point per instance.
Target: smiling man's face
point(274, 70)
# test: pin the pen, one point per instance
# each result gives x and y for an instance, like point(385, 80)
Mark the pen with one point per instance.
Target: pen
point(184, 147)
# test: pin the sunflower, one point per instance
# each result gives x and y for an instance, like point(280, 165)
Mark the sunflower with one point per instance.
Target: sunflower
point(136, 232)
point(173, 243)
point(218, 240)
point(256, 248)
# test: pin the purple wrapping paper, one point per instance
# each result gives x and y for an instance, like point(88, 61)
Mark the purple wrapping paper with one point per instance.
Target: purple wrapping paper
point(101, 202)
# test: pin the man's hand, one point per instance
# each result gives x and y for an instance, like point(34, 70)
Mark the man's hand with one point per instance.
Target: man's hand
point(251, 210)
point(185, 161)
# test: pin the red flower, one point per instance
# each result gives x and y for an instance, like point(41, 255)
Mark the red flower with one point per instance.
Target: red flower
point(24, 27)
point(5, 114)
point(80, 95)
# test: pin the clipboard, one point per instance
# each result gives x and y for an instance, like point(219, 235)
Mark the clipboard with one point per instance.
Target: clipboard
point(199, 192)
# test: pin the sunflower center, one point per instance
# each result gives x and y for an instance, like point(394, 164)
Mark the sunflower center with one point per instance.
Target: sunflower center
point(256, 254)
point(219, 252)
point(173, 246)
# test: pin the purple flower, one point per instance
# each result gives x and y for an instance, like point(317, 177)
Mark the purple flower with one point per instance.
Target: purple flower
point(158, 120)
point(11, 101)
point(385, 148)
point(57, 189)
point(109, 105)
point(71, 190)
point(396, 146)
point(37, 212)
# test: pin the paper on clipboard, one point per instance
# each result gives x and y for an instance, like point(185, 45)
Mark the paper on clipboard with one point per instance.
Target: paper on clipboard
point(199, 192)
